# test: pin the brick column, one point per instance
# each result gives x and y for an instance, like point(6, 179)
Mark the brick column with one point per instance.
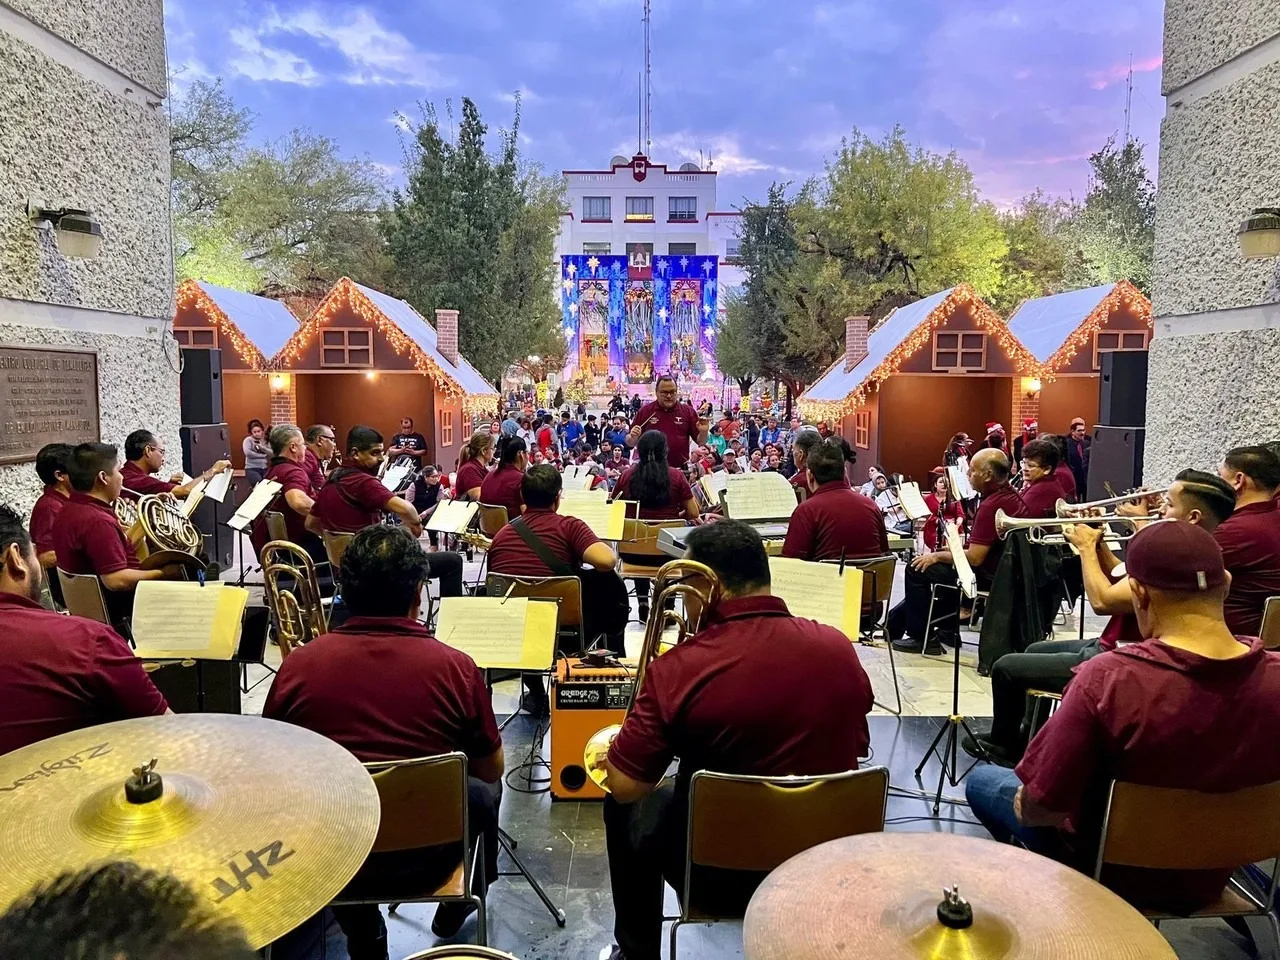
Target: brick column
point(855, 340)
point(447, 334)
point(284, 399)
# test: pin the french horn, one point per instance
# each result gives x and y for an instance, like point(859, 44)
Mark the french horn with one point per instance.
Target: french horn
point(699, 588)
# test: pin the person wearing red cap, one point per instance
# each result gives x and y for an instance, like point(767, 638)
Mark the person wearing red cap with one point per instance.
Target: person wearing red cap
point(1030, 430)
point(996, 439)
point(1250, 540)
point(1189, 707)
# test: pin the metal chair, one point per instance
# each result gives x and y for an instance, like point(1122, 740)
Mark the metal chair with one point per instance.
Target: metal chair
point(1270, 629)
point(424, 804)
point(754, 824)
point(1044, 705)
point(492, 519)
point(1162, 828)
point(335, 545)
point(276, 528)
point(83, 596)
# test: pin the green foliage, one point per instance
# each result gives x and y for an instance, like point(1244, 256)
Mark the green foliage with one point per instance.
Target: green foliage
point(476, 232)
point(1035, 263)
point(738, 348)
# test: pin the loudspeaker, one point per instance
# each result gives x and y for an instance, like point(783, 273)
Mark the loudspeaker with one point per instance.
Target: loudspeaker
point(200, 400)
point(1115, 457)
point(202, 447)
point(1122, 390)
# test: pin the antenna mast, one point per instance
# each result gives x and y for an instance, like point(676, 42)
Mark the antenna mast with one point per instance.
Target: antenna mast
point(648, 110)
point(639, 114)
point(1128, 100)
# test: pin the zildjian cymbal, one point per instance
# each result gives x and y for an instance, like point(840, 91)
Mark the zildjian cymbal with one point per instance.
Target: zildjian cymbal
point(265, 820)
point(937, 896)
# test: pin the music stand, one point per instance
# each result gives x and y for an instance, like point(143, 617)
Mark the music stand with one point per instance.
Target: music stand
point(260, 497)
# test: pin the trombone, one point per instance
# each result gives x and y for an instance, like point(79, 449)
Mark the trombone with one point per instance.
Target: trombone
point(1048, 531)
point(699, 588)
point(1064, 509)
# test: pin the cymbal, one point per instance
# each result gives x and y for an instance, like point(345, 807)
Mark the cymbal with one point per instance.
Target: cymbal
point(876, 897)
point(267, 821)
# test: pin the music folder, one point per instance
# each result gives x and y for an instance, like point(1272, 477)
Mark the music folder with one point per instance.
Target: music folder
point(259, 499)
point(500, 633)
point(606, 520)
point(912, 502)
point(181, 620)
point(820, 591)
point(452, 516)
point(967, 579)
point(958, 479)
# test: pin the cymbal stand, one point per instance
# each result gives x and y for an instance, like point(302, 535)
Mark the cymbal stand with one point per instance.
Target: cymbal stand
point(948, 756)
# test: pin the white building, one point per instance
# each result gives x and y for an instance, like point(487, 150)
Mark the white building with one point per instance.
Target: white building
point(637, 204)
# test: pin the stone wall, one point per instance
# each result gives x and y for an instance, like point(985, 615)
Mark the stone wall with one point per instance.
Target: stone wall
point(83, 124)
point(1215, 356)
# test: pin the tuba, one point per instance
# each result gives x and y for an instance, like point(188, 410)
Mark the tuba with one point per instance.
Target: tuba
point(699, 587)
point(292, 593)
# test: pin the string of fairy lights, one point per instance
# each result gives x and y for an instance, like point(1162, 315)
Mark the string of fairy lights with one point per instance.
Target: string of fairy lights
point(1123, 296)
point(191, 298)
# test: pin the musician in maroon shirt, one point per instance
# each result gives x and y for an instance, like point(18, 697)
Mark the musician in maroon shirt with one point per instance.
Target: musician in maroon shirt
point(989, 476)
point(758, 691)
point(384, 688)
point(1063, 472)
point(834, 521)
point(297, 495)
point(145, 455)
point(501, 488)
point(1250, 539)
point(53, 467)
point(1116, 722)
point(1041, 490)
point(679, 422)
point(322, 444)
point(473, 465)
point(568, 539)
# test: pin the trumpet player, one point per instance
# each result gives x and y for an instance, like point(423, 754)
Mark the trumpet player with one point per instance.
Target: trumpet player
point(1198, 498)
point(1250, 539)
point(757, 692)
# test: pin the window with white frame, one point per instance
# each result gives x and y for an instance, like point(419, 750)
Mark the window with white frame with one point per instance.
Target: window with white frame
point(640, 208)
point(683, 208)
point(599, 248)
point(596, 208)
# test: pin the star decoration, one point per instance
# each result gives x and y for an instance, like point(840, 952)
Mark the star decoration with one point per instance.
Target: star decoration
point(593, 263)
point(573, 309)
point(706, 309)
point(684, 263)
point(567, 284)
point(571, 269)
point(662, 314)
point(706, 267)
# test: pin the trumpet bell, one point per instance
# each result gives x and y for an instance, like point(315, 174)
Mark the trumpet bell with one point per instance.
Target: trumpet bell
point(596, 750)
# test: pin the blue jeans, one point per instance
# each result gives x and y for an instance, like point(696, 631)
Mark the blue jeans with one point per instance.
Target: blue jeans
point(990, 790)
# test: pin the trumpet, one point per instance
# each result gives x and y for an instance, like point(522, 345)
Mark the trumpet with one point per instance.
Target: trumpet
point(292, 592)
point(1048, 531)
point(699, 587)
point(1064, 509)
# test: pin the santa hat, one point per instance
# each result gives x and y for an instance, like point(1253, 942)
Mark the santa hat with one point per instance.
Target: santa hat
point(1030, 424)
point(994, 427)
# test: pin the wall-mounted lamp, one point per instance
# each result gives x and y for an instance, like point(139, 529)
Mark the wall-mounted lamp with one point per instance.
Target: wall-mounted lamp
point(77, 232)
point(1260, 234)
point(277, 383)
point(370, 375)
point(1033, 388)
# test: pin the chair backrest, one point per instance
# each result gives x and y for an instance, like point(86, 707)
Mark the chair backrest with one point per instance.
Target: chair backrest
point(567, 590)
point(335, 545)
point(424, 801)
point(640, 537)
point(492, 519)
point(740, 822)
point(82, 594)
point(276, 528)
point(1212, 830)
point(1270, 631)
point(877, 578)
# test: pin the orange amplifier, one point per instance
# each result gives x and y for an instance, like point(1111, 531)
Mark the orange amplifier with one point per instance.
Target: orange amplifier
point(583, 699)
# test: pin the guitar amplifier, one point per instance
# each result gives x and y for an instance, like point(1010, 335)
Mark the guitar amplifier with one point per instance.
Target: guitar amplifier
point(583, 700)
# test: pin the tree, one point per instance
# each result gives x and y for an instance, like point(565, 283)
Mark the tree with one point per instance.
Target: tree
point(738, 343)
point(475, 232)
point(1036, 262)
point(1112, 236)
point(207, 135)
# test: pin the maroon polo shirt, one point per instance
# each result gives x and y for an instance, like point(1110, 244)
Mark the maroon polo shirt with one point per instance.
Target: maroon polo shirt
point(291, 476)
point(999, 497)
point(758, 692)
point(352, 500)
point(311, 464)
point(1041, 498)
point(1121, 628)
point(1250, 542)
point(88, 538)
point(501, 488)
point(385, 689)
point(44, 517)
point(833, 520)
point(673, 509)
point(143, 483)
point(679, 425)
point(1062, 473)
point(471, 474)
point(1155, 715)
point(59, 674)
point(567, 538)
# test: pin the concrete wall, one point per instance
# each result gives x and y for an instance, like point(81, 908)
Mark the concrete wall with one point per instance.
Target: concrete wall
point(82, 124)
point(1215, 354)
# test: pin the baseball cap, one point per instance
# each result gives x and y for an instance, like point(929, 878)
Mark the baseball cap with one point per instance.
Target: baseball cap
point(1175, 555)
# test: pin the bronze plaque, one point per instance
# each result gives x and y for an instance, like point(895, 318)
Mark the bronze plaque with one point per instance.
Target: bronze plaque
point(47, 395)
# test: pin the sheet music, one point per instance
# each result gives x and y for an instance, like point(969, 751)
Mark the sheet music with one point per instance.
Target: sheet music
point(217, 486)
point(396, 475)
point(958, 478)
point(912, 502)
point(819, 592)
point(759, 496)
point(188, 506)
point(578, 483)
point(259, 499)
point(604, 518)
point(964, 573)
point(493, 631)
point(178, 620)
point(712, 484)
point(575, 470)
point(452, 516)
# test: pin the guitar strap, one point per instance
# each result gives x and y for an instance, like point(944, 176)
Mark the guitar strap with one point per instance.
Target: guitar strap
point(553, 563)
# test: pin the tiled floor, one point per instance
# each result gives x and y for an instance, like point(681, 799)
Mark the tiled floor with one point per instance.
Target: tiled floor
point(562, 843)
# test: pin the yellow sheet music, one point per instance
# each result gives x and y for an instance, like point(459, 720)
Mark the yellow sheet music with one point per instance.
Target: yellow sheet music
point(912, 502)
point(964, 573)
point(257, 501)
point(604, 518)
point(512, 634)
point(452, 516)
point(819, 592)
point(177, 620)
point(759, 496)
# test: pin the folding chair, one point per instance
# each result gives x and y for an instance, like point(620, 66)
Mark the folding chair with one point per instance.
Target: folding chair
point(83, 595)
point(1162, 828)
point(335, 545)
point(1043, 706)
point(1270, 629)
point(490, 518)
point(739, 822)
point(641, 540)
point(424, 804)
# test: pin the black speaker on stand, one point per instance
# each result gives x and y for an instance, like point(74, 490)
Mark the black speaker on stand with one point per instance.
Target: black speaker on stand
point(200, 399)
point(1122, 389)
point(202, 446)
point(1119, 439)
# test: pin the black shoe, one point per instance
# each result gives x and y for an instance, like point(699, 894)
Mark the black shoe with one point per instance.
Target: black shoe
point(642, 612)
point(906, 645)
point(613, 952)
point(450, 917)
point(983, 749)
point(981, 729)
